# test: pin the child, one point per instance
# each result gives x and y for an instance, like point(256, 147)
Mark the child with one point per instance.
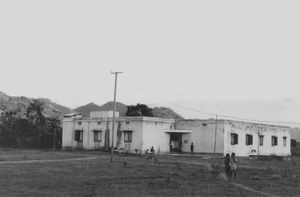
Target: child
point(233, 165)
point(147, 152)
point(227, 166)
point(152, 150)
point(192, 148)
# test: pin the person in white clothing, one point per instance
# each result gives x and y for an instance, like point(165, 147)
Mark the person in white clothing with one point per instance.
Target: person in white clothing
point(233, 166)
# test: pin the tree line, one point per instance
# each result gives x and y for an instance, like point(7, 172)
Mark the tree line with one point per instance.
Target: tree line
point(30, 130)
point(139, 110)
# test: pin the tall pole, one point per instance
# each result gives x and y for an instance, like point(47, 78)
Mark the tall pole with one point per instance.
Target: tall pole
point(216, 129)
point(114, 115)
point(0, 116)
point(54, 136)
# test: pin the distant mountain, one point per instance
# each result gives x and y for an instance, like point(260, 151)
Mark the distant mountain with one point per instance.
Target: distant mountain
point(120, 107)
point(162, 112)
point(52, 109)
point(86, 109)
point(165, 112)
point(13, 103)
point(109, 106)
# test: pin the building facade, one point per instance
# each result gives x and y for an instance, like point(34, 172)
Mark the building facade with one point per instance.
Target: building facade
point(168, 135)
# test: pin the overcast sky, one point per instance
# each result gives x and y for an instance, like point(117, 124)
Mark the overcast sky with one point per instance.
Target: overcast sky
point(173, 50)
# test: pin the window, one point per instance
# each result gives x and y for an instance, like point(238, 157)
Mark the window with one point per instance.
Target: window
point(261, 140)
point(171, 127)
point(234, 138)
point(204, 124)
point(274, 141)
point(97, 135)
point(99, 122)
point(79, 123)
point(127, 136)
point(249, 140)
point(284, 141)
point(78, 135)
point(127, 122)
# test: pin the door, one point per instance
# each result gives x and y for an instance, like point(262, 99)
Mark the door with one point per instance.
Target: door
point(79, 138)
point(175, 142)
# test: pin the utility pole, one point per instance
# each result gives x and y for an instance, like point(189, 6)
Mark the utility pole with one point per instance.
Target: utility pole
point(54, 137)
point(0, 115)
point(113, 123)
point(216, 129)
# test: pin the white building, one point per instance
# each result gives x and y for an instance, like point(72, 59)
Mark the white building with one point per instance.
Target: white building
point(208, 136)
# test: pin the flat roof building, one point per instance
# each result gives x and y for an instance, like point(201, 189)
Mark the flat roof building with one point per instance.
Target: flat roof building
point(169, 135)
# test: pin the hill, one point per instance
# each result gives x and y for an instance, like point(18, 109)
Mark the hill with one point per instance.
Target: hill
point(162, 112)
point(86, 109)
point(165, 112)
point(120, 107)
point(109, 106)
point(51, 109)
point(13, 103)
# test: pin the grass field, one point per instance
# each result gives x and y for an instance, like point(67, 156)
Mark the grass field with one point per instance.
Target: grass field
point(92, 174)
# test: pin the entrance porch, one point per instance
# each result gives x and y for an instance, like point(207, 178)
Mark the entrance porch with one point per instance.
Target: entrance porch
point(175, 140)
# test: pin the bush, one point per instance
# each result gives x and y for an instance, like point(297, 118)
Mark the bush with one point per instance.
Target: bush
point(33, 131)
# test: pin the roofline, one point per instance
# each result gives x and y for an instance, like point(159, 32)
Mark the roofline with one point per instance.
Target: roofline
point(158, 119)
point(132, 118)
point(228, 121)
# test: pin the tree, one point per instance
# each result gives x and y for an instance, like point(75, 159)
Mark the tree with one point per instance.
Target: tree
point(8, 128)
point(139, 110)
point(34, 113)
point(53, 135)
point(35, 130)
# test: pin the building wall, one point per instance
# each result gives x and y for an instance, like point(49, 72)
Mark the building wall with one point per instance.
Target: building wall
point(102, 124)
point(99, 125)
point(242, 129)
point(154, 134)
point(202, 136)
point(136, 126)
point(148, 132)
point(87, 127)
point(67, 134)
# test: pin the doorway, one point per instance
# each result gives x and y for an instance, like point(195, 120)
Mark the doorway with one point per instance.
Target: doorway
point(175, 142)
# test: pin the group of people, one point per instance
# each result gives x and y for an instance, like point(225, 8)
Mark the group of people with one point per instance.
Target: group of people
point(151, 150)
point(150, 153)
point(230, 166)
point(230, 161)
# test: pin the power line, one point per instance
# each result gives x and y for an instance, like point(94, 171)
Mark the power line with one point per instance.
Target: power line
point(221, 115)
point(187, 108)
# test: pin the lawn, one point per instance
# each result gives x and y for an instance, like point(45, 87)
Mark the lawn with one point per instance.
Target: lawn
point(134, 176)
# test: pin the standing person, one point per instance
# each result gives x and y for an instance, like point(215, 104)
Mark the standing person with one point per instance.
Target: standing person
point(192, 147)
point(233, 165)
point(152, 150)
point(152, 153)
point(227, 166)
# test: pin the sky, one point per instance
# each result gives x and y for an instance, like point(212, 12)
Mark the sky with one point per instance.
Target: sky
point(176, 51)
